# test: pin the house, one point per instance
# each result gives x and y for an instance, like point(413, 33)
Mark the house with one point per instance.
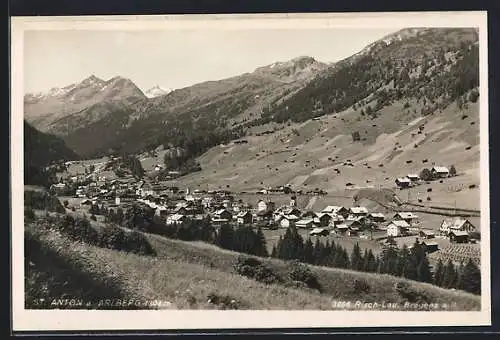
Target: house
point(430, 246)
point(458, 224)
point(413, 177)
point(222, 214)
point(336, 210)
point(427, 234)
point(336, 219)
point(285, 210)
point(457, 236)
point(287, 220)
point(376, 217)
point(161, 210)
point(176, 219)
point(403, 182)
point(263, 205)
point(408, 217)
point(358, 211)
point(244, 217)
point(58, 188)
point(323, 219)
point(228, 204)
point(440, 171)
point(398, 228)
point(341, 229)
point(305, 223)
point(319, 232)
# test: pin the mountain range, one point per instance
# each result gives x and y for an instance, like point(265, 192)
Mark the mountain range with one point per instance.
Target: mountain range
point(434, 66)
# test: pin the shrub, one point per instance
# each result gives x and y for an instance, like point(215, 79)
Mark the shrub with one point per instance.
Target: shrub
point(78, 229)
point(81, 230)
point(113, 237)
point(426, 174)
point(253, 268)
point(300, 272)
point(361, 286)
point(473, 96)
point(410, 294)
point(453, 171)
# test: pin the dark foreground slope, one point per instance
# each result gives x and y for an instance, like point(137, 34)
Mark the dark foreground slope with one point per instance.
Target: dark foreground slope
point(195, 275)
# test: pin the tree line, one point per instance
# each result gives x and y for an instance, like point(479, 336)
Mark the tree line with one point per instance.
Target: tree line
point(242, 239)
point(411, 263)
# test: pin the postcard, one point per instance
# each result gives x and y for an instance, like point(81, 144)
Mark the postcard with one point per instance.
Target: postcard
point(250, 171)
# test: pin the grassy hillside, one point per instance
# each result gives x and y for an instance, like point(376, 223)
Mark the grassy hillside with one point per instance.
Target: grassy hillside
point(189, 275)
point(307, 154)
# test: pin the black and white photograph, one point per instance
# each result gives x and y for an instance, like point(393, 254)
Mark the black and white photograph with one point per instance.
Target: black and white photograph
point(251, 164)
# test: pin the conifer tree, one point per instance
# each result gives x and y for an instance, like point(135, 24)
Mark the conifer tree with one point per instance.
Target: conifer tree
point(278, 247)
point(346, 258)
point(365, 261)
point(356, 258)
point(318, 251)
point(424, 270)
point(292, 245)
point(449, 275)
point(438, 274)
point(419, 258)
point(403, 261)
point(388, 260)
point(370, 262)
point(308, 252)
point(225, 237)
point(331, 256)
point(325, 253)
point(260, 244)
point(460, 270)
point(471, 278)
point(341, 259)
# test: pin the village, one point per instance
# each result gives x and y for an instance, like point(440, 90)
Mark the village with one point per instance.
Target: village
point(175, 206)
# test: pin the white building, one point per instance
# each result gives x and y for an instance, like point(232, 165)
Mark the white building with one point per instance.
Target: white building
point(286, 221)
point(457, 224)
point(440, 171)
point(397, 228)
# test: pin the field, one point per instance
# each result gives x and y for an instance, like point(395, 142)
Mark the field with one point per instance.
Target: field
point(188, 274)
point(458, 253)
point(307, 159)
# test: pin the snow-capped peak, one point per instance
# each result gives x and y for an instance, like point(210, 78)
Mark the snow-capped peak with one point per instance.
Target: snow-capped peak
point(157, 91)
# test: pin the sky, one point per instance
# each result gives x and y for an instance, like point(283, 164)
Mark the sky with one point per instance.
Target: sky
point(176, 59)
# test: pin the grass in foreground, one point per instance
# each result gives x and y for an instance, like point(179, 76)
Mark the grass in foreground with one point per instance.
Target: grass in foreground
point(200, 276)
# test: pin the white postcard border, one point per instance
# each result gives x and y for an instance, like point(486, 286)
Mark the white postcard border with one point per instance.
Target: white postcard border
point(34, 320)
